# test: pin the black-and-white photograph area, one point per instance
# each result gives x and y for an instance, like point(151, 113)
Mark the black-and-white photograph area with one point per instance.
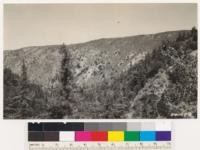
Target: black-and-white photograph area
point(100, 61)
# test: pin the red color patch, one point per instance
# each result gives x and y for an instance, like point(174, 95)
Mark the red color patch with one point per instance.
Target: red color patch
point(99, 136)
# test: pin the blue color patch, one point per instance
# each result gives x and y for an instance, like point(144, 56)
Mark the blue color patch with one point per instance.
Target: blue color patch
point(147, 136)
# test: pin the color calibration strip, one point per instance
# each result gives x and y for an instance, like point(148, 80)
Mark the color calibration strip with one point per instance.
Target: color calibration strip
point(102, 132)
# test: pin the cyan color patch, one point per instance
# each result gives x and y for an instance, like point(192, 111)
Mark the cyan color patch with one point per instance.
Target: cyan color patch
point(147, 136)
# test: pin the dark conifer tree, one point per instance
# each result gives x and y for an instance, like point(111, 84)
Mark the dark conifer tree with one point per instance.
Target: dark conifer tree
point(64, 108)
point(25, 101)
point(194, 33)
point(65, 74)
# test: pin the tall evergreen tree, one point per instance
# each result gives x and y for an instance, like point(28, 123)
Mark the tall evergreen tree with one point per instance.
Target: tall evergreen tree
point(65, 73)
point(64, 108)
point(194, 33)
point(24, 80)
point(24, 100)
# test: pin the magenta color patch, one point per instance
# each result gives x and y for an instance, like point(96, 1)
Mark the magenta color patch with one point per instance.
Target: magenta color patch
point(83, 136)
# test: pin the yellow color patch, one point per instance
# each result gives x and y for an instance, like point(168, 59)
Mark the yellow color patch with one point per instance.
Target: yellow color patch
point(115, 135)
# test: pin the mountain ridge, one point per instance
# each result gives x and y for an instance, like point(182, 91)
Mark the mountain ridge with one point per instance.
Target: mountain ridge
point(108, 38)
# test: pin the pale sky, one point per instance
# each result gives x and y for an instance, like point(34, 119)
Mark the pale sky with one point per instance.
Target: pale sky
point(49, 24)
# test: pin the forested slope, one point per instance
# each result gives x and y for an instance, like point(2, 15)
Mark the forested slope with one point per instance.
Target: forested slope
point(147, 76)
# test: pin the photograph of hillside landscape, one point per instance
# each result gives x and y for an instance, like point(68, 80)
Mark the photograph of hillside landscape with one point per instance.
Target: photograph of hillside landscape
point(100, 61)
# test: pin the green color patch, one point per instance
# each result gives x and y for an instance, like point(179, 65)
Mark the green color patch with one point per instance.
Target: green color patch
point(132, 136)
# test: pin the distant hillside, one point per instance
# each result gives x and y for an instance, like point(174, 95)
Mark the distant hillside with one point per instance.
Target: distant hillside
point(144, 76)
point(92, 61)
